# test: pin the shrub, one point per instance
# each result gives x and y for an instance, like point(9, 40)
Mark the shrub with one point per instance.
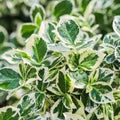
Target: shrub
point(66, 69)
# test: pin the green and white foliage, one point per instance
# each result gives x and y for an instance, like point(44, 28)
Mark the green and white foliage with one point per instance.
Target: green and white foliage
point(65, 71)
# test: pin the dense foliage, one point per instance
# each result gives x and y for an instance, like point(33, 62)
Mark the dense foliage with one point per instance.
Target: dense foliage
point(60, 61)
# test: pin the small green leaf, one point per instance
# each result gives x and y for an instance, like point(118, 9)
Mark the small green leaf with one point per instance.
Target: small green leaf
point(102, 75)
point(117, 53)
point(90, 59)
point(80, 77)
point(37, 12)
point(40, 99)
point(40, 49)
point(109, 59)
point(116, 25)
point(68, 30)
point(64, 83)
point(3, 34)
point(27, 29)
point(67, 101)
point(41, 85)
point(9, 79)
point(101, 93)
point(57, 110)
point(9, 113)
point(73, 61)
point(47, 31)
point(63, 7)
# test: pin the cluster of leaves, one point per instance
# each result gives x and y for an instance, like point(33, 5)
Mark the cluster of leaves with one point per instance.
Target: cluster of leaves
point(65, 71)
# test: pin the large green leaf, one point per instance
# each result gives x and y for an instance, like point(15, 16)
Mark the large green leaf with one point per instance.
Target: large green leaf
point(27, 29)
point(63, 7)
point(64, 83)
point(101, 93)
point(67, 30)
point(9, 113)
point(9, 79)
point(116, 25)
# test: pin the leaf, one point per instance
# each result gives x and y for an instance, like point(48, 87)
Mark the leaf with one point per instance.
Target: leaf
point(116, 25)
point(27, 29)
point(37, 12)
point(41, 85)
point(57, 110)
point(110, 39)
point(47, 32)
point(80, 77)
point(64, 83)
point(9, 79)
point(27, 71)
point(63, 7)
point(74, 116)
point(3, 35)
point(102, 75)
point(89, 105)
point(67, 30)
point(30, 103)
point(9, 113)
point(40, 99)
point(90, 59)
point(40, 49)
point(101, 94)
point(27, 104)
point(110, 58)
point(117, 53)
point(73, 61)
point(67, 101)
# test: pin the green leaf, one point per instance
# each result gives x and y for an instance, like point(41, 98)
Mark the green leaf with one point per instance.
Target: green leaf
point(64, 83)
point(102, 75)
point(110, 39)
point(117, 53)
point(90, 59)
point(9, 79)
point(27, 104)
point(9, 113)
point(41, 85)
point(27, 71)
point(116, 25)
point(27, 29)
point(63, 7)
point(101, 93)
point(3, 34)
point(31, 103)
point(67, 30)
point(40, 49)
point(47, 32)
point(40, 99)
point(67, 101)
point(80, 77)
point(37, 12)
point(57, 110)
point(110, 58)
point(73, 61)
